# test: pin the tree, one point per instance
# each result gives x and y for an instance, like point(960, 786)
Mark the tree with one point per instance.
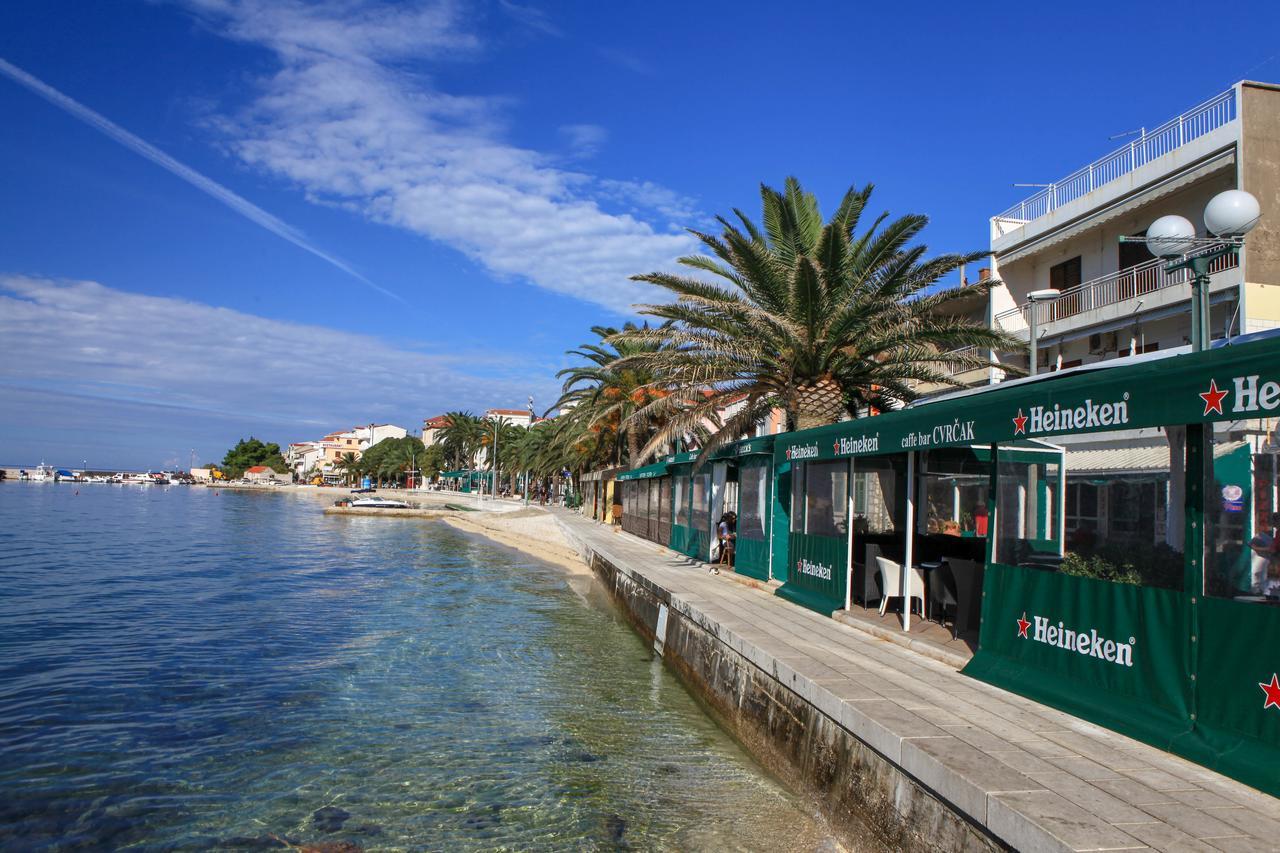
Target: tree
point(461, 438)
point(250, 452)
point(392, 458)
point(349, 465)
point(605, 393)
point(814, 318)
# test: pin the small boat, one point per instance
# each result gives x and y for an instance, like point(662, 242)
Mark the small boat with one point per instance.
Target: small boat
point(378, 503)
point(42, 474)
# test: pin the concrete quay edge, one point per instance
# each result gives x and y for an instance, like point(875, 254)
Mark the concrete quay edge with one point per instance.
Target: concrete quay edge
point(1026, 776)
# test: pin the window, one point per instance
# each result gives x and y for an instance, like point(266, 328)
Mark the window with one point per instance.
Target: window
point(954, 485)
point(753, 492)
point(1243, 527)
point(681, 501)
point(1082, 511)
point(826, 493)
point(1026, 513)
point(797, 497)
point(876, 482)
point(1132, 254)
point(1065, 275)
point(700, 515)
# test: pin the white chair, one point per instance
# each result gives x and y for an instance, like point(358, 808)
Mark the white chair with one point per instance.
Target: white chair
point(891, 583)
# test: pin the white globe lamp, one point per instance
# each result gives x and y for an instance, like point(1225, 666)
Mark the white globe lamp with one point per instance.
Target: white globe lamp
point(1171, 236)
point(1231, 214)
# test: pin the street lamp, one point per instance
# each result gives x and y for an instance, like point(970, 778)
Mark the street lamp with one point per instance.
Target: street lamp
point(1035, 297)
point(1229, 216)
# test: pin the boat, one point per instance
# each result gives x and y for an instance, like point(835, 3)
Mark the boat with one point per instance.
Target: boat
point(42, 474)
point(378, 503)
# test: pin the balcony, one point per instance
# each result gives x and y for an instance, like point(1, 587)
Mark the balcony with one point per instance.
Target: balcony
point(1131, 283)
point(1195, 123)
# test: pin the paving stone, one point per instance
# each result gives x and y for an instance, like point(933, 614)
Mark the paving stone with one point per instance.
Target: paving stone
point(1161, 836)
point(1191, 820)
point(1159, 780)
point(964, 775)
point(1044, 820)
point(883, 725)
point(1083, 768)
point(1022, 761)
point(1096, 801)
point(1201, 799)
point(1135, 793)
point(1249, 822)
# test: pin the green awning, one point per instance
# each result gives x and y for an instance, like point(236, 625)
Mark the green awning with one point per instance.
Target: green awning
point(456, 475)
point(1227, 383)
point(761, 444)
point(648, 472)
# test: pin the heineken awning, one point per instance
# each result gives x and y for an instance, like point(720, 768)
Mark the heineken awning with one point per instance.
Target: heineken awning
point(648, 472)
point(745, 447)
point(456, 475)
point(1229, 383)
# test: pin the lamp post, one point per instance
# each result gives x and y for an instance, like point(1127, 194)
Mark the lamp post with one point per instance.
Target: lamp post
point(1036, 297)
point(1229, 215)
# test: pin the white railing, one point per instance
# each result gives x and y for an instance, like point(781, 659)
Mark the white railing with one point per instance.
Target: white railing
point(1135, 281)
point(1192, 124)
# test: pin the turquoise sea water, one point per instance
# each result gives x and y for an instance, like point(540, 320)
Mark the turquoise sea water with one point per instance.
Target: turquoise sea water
point(186, 669)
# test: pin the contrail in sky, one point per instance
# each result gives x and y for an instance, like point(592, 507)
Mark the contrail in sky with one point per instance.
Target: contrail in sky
point(240, 205)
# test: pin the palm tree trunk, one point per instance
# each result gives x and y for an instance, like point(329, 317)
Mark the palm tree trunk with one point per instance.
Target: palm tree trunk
point(818, 403)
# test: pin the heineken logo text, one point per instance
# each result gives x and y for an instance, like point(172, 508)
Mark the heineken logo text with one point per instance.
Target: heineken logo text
point(806, 451)
point(1252, 396)
point(849, 446)
point(1086, 643)
point(1088, 415)
point(816, 570)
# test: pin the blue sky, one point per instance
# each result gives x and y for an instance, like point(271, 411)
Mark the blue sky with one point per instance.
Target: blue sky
point(420, 207)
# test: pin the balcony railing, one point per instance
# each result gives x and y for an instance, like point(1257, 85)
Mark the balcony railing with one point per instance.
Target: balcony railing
point(1192, 124)
point(1147, 277)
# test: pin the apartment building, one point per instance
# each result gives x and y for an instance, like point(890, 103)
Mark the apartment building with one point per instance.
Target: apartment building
point(1115, 299)
point(431, 428)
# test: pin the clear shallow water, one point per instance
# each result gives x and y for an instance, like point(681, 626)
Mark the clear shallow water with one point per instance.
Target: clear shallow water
point(185, 669)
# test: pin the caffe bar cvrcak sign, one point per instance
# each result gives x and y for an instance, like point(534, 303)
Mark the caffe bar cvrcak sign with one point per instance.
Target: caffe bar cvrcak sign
point(1229, 383)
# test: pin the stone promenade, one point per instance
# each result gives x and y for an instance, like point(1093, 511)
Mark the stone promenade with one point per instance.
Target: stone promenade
point(1031, 777)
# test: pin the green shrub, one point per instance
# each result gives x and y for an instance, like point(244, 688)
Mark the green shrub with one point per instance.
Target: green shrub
point(1143, 565)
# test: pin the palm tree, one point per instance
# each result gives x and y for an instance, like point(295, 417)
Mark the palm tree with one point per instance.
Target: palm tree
point(461, 439)
point(604, 397)
point(348, 464)
point(814, 318)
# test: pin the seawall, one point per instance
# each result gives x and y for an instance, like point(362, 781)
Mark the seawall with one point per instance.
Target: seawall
point(800, 739)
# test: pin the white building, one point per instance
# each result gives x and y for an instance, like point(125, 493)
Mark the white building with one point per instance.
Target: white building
point(368, 436)
point(1115, 299)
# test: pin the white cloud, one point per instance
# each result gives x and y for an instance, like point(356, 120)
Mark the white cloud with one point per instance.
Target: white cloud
point(350, 119)
point(584, 139)
point(82, 340)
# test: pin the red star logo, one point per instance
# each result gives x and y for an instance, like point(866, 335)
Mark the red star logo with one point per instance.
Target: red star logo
point(1020, 423)
point(1213, 398)
point(1272, 691)
point(1023, 625)
point(799, 563)
point(837, 447)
